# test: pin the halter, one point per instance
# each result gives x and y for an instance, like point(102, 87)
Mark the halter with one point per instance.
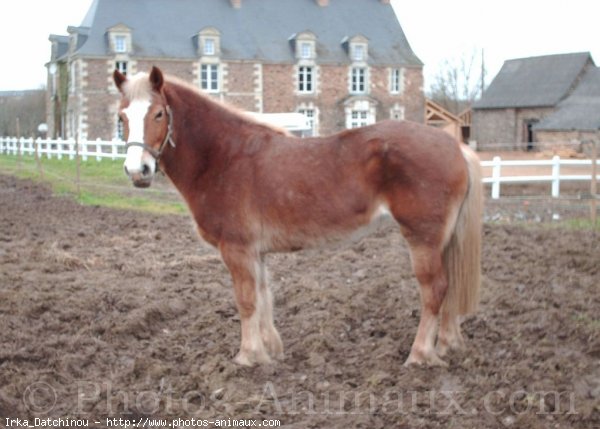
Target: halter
point(156, 154)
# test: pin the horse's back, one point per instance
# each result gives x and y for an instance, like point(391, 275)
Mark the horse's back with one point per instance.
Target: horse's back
point(426, 177)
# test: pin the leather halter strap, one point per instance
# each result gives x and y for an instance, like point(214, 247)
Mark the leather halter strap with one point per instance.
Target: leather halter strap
point(156, 154)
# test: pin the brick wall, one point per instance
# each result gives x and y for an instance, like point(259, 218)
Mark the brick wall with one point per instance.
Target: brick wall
point(249, 86)
point(241, 86)
point(333, 86)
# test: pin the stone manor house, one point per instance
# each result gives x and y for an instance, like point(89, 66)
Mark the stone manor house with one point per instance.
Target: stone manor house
point(342, 63)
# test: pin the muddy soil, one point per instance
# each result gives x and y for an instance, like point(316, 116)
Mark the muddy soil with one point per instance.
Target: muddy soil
point(117, 314)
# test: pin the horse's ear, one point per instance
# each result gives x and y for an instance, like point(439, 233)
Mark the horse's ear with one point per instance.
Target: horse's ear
point(119, 79)
point(156, 79)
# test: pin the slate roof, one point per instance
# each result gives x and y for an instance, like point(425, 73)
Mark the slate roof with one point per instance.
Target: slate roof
point(580, 111)
point(259, 30)
point(62, 46)
point(534, 82)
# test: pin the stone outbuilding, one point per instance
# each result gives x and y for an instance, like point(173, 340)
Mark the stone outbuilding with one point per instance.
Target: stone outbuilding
point(535, 100)
point(577, 117)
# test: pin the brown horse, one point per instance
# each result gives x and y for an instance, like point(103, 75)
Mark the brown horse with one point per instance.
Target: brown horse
point(253, 189)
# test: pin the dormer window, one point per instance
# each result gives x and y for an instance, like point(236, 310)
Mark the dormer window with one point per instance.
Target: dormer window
point(209, 42)
point(119, 38)
point(357, 48)
point(304, 45)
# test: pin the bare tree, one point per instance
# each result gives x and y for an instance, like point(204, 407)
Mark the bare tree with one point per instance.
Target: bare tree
point(28, 106)
point(458, 82)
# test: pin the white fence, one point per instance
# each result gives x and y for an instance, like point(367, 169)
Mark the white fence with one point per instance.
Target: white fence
point(555, 178)
point(115, 149)
point(97, 149)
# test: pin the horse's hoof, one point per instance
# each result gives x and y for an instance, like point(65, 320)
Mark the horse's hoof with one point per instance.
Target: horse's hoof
point(442, 348)
point(251, 359)
point(275, 347)
point(242, 359)
point(429, 359)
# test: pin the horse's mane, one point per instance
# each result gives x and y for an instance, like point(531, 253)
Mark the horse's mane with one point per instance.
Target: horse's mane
point(137, 86)
point(229, 109)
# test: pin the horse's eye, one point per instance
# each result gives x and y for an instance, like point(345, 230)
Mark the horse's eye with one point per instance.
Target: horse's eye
point(159, 115)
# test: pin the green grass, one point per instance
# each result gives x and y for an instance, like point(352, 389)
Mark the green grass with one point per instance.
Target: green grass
point(581, 224)
point(586, 321)
point(104, 183)
point(101, 183)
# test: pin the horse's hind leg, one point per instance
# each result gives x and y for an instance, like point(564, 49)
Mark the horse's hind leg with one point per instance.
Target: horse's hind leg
point(428, 267)
point(244, 266)
point(450, 335)
point(269, 333)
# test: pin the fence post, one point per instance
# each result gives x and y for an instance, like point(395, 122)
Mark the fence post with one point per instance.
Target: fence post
point(555, 176)
point(36, 144)
point(98, 150)
point(59, 149)
point(77, 167)
point(593, 183)
point(19, 158)
point(48, 149)
point(84, 149)
point(113, 147)
point(496, 177)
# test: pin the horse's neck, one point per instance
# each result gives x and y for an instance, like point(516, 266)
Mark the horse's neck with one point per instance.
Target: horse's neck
point(199, 127)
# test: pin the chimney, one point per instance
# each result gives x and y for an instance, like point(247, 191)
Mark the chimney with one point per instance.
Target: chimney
point(322, 3)
point(236, 4)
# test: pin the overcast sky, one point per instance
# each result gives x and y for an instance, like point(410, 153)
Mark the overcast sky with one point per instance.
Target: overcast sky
point(437, 30)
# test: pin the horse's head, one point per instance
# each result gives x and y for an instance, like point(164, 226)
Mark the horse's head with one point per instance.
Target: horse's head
point(146, 120)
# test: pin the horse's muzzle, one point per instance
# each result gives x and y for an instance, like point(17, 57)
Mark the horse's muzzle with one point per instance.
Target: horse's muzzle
point(143, 182)
point(140, 179)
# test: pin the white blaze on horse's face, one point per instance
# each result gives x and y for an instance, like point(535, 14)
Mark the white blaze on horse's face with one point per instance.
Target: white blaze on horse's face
point(139, 165)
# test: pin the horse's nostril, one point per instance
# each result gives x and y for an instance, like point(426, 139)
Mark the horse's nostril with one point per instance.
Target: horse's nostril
point(145, 170)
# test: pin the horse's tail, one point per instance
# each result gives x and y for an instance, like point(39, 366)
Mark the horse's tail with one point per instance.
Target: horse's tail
point(462, 255)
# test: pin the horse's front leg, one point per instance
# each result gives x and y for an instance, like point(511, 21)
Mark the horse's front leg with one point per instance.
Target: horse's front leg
point(245, 266)
point(269, 333)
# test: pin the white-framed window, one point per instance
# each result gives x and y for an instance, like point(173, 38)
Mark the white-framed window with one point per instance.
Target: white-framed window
point(120, 44)
point(121, 66)
point(306, 50)
point(311, 119)
point(397, 112)
point(209, 46)
point(358, 80)
point(359, 118)
point(359, 112)
point(396, 81)
point(209, 77)
point(305, 79)
point(359, 52)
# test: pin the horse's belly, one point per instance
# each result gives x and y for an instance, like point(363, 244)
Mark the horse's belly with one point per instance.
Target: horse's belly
point(313, 233)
